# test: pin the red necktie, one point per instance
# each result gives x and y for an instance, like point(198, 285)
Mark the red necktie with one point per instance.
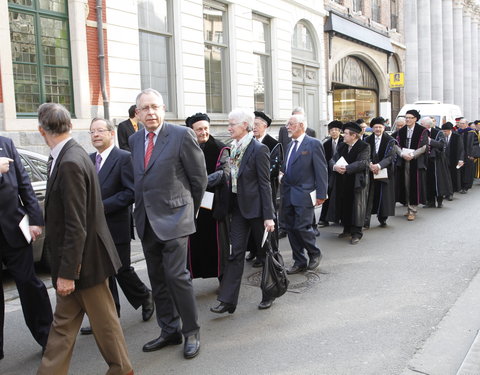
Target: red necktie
point(150, 146)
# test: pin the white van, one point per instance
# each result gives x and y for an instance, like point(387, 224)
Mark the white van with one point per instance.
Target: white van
point(441, 112)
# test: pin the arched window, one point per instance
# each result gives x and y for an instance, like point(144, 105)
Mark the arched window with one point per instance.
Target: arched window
point(303, 43)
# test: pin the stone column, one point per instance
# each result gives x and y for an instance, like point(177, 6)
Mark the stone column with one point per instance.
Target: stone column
point(436, 24)
point(411, 52)
point(458, 54)
point(467, 63)
point(424, 50)
point(447, 39)
point(475, 66)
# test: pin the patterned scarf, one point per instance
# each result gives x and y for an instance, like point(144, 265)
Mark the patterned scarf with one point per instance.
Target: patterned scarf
point(236, 155)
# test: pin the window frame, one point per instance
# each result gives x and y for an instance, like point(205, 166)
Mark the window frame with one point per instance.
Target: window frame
point(38, 13)
point(267, 54)
point(226, 87)
point(171, 109)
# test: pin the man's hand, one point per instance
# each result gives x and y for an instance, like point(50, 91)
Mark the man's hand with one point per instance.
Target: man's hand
point(269, 225)
point(408, 157)
point(5, 164)
point(460, 164)
point(65, 286)
point(319, 202)
point(35, 231)
point(340, 169)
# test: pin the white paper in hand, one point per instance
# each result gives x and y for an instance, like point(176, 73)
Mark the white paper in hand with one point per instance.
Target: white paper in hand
point(382, 174)
point(207, 200)
point(25, 228)
point(265, 236)
point(341, 162)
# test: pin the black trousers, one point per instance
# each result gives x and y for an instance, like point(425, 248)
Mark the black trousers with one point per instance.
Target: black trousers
point(171, 283)
point(34, 299)
point(134, 289)
point(240, 230)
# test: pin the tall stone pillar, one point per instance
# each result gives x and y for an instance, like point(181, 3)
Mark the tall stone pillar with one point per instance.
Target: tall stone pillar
point(436, 24)
point(467, 63)
point(458, 54)
point(447, 39)
point(411, 52)
point(475, 67)
point(424, 50)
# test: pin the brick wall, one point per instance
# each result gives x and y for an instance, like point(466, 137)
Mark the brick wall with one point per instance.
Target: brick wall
point(93, 62)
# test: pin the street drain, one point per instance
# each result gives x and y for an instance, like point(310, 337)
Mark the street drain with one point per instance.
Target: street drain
point(299, 283)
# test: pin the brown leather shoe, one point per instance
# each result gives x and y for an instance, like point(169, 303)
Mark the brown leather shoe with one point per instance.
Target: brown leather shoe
point(411, 217)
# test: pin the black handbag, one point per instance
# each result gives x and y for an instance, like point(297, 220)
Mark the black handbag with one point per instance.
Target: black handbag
point(274, 277)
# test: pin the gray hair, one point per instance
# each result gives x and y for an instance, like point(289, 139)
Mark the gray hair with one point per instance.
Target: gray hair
point(146, 92)
point(298, 111)
point(108, 123)
point(427, 121)
point(301, 119)
point(54, 118)
point(242, 115)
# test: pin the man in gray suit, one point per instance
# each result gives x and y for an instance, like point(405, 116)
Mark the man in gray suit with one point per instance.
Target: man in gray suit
point(170, 179)
point(303, 186)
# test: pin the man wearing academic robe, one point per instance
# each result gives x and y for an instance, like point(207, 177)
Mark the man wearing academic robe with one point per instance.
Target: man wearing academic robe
point(349, 183)
point(330, 147)
point(381, 194)
point(209, 246)
point(439, 184)
point(470, 141)
point(412, 146)
point(454, 154)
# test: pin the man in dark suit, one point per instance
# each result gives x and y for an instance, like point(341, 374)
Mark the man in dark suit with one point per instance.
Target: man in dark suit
point(17, 200)
point(115, 174)
point(303, 186)
point(82, 249)
point(170, 179)
point(455, 155)
point(127, 128)
point(260, 126)
point(251, 205)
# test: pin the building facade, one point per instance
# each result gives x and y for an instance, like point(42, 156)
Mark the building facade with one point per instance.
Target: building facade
point(442, 40)
point(331, 57)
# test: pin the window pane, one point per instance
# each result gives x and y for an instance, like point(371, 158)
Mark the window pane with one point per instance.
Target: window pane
point(303, 41)
point(54, 42)
point(27, 3)
point(213, 25)
point(214, 78)
point(152, 15)
point(260, 64)
point(154, 67)
point(22, 36)
point(27, 89)
point(260, 30)
point(53, 5)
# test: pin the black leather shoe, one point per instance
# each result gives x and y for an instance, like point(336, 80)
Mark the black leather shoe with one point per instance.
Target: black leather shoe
point(250, 257)
point(223, 307)
point(322, 224)
point(161, 342)
point(463, 191)
point(86, 330)
point(191, 346)
point(315, 230)
point(449, 198)
point(266, 304)
point(296, 269)
point(439, 205)
point(344, 235)
point(354, 240)
point(314, 262)
point(1, 355)
point(429, 205)
point(148, 307)
point(257, 264)
point(383, 224)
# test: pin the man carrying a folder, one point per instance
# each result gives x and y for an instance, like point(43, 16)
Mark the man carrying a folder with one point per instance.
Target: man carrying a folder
point(18, 200)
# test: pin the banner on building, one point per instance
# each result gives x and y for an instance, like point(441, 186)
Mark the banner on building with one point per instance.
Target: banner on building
point(396, 80)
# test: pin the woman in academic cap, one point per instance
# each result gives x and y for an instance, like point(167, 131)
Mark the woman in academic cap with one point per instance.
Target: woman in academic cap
point(209, 245)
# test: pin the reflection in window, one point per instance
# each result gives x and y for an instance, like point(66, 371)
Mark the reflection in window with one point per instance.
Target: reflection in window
point(156, 57)
point(303, 44)
point(215, 39)
point(376, 11)
point(358, 5)
point(261, 50)
point(351, 104)
point(40, 55)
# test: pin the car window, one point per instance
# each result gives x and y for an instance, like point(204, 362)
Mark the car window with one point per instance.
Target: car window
point(40, 166)
point(32, 173)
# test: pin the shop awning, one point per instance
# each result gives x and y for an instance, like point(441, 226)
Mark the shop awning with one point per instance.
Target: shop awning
point(354, 31)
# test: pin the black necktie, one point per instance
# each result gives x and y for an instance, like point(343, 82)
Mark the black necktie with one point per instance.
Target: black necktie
point(49, 165)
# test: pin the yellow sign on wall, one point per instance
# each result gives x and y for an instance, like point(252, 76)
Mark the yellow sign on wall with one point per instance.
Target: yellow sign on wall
point(396, 80)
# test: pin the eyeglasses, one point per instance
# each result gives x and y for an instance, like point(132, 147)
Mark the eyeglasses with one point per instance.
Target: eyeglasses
point(231, 125)
point(409, 117)
point(153, 107)
point(99, 131)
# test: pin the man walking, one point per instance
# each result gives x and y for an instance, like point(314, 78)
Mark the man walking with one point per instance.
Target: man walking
point(170, 179)
point(115, 175)
point(303, 186)
point(127, 128)
point(18, 199)
point(82, 249)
